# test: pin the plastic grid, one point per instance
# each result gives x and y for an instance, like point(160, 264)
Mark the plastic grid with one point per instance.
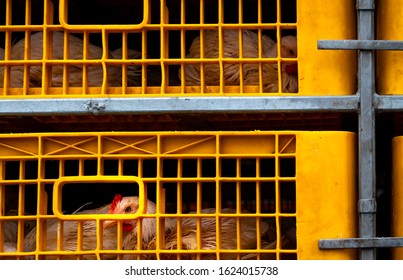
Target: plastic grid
point(145, 49)
point(280, 178)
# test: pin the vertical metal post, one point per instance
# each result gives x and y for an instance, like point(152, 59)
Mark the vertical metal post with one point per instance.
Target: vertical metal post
point(366, 119)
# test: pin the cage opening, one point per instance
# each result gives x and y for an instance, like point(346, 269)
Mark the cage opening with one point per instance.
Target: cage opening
point(287, 197)
point(288, 229)
point(287, 166)
point(121, 12)
point(83, 195)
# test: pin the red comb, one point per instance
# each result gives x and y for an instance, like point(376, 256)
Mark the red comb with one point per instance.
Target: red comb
point(115, 201)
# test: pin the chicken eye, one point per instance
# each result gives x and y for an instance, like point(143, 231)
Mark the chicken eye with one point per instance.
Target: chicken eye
point(291, 52)
point(128, 209)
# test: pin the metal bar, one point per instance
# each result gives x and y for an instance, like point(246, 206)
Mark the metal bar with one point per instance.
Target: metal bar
point(360, 45)
point(350, 243)
point(385, 103)
point(178, 105)
point(366, 119)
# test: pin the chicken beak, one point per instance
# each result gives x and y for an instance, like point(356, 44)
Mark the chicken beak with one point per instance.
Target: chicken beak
point(126, 226)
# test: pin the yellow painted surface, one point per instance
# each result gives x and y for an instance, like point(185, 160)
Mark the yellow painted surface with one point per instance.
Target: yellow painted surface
point(326, 72)
point(326, 169)
point(389, 63)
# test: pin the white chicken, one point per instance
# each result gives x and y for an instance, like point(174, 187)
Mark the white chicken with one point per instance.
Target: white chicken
point(289, 70)
point(10, 227)
point(8, 247)
point(68, 239)
point(133, 71)
point(250, 42)
point(75, 70)
point(208, 228)
point(189, 234)
point(10, 231)
point(130, 205)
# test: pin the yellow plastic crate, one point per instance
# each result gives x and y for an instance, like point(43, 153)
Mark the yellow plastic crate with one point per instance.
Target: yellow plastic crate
point(142, 48)
point(397, 208)
point(389, 26)
point(286, 190)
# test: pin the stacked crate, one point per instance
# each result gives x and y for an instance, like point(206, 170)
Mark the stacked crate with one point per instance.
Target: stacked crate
point(83, 70)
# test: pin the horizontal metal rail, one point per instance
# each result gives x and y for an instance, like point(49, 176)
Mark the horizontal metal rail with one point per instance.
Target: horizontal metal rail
point(350, 103)
point(384, 103)
point(360, 45)
point(178, 105)
point(352, 243)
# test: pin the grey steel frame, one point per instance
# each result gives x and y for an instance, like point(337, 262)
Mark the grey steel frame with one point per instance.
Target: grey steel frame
point(177, 105)
point(369, 104)
point(366, 103)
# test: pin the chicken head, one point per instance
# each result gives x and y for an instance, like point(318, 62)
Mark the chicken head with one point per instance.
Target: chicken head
point(130, 205)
